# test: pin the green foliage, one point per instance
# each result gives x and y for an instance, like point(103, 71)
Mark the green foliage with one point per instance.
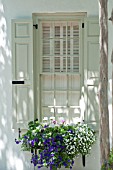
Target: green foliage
point(56, 145)
point(108, 165)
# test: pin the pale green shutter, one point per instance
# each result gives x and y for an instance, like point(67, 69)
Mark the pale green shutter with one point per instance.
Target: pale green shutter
point(91, 71)
point(22, 81)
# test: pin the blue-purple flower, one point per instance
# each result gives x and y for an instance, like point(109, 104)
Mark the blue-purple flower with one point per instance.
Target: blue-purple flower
point(56, 146)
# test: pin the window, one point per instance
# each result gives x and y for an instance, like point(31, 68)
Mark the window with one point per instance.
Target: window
point(61, 72)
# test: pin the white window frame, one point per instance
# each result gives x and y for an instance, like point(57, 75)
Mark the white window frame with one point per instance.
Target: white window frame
point(37, 18)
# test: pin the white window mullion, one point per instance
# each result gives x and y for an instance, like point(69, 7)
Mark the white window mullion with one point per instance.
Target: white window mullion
point(61, 47)
point(71, 39)
point(80, 47)
point(55, 95)
point(71, 46)
point(52, 47)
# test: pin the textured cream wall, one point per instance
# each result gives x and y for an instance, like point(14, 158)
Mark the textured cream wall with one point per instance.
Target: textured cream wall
point(10, 156)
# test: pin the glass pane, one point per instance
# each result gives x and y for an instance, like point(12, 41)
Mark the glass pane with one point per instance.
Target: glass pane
point(74, 98)
point(68, 31)
point(57, 31)
point(45, 31)
point(46, 47)
point(64, 31)
point(57, 47)
point(74, 115)
point(75, 64)
point(64, 47)
point(74, 82)
point(76, 31)
point(61, 98)
point(68, 64)
point(64, 64)
point(47, 82)
point(57, 64)
point(46, 64)
point(61, 82)
point(59, 39)
point(76, 46)
point(68, 47)
point(47, 112)
point(47, 98)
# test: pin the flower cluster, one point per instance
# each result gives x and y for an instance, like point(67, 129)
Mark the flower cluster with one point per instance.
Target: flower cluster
point(58, 145)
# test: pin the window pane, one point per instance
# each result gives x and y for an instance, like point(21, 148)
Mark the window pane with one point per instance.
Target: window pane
point(61, 98)
point(47, 82)
point(57, 64)
point(47, 98)
point(57, 47)
point(61, 42)
point(61, 82)
point(74, 82)
point(46, 64)
point(57, 31)
point(47, 112)
point(74, 98)
point(46, 31)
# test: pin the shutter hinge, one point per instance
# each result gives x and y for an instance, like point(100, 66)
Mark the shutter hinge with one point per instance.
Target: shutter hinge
point(36, 26)
point(82, 25)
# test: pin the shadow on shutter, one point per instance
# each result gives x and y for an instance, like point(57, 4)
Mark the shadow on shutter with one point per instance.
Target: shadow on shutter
point(91, 72)
point(23, 110)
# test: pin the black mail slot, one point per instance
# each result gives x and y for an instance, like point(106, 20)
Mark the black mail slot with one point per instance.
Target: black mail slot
point(17, 82)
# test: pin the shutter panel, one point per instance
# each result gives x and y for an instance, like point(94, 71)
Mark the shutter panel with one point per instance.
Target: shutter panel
point(22, 62)
point(91, 71)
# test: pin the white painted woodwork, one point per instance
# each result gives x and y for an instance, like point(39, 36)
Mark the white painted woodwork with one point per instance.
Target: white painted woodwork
point(60, 59)
point(22, 48)
point(61, 94)
point(91, 71)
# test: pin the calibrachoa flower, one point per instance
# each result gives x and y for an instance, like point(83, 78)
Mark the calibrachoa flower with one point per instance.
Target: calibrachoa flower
point(56, 146)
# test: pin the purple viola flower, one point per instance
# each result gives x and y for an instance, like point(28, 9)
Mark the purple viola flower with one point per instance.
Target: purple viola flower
point(71, 131)
point(36, 140)
point(39, 167)
point(17, 141)
point(50, 167)
point(62, 121)
point(25, 137)
point(72, 162)
point(52, 155)
point(45, 126)
point(32, 142)
point(65, 164)
point(60, 158)
point(54, 121)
